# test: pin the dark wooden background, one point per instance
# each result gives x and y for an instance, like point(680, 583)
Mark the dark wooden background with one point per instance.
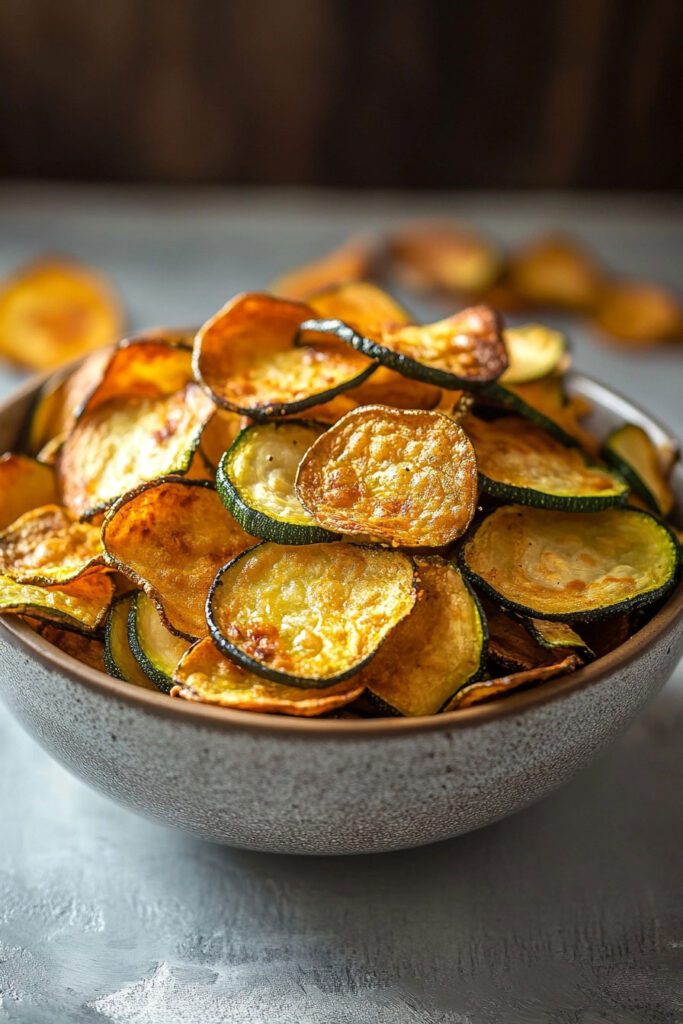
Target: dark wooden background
point(398, 93)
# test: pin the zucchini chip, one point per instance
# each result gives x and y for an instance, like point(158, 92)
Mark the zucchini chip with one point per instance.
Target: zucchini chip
point(126, 442)
point(513, 647)
point(554, 635)
point(639, 312)
point(534, 351)
point(491, 689)
point(464, 350)
point(25, 484)
point(630, 450)
point(444, 258)
point(54, 310)
point(309, 616)
point(362, 306)
point(88, 649)
point(47, 547)
point(205, 675)
point(328, 412)
point(520, 462)
point(81, 605)
point(556, 271)
point(119, 660)
point(435, 650)
point(572, 565)
point(542, 402)
point(219, 434)
point(256, 479)
point(171, 537)
point(147, 365)
point(352, 261)
point(405, 477)
point(386, 387)
point(156, 650)
point(245, 356)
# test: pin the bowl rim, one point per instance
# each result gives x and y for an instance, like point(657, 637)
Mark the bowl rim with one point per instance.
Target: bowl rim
point(663, 623)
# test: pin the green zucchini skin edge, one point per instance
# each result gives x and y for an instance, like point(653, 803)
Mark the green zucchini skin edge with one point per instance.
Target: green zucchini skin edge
point(154, 674)
point(636, 483)
point(582, 647)
point(257, 523)
point(631, 604)
point(108, 658)
point(513, 494)
point(277, 409)
point(405, 365)
point(479, 672)
point(500, 395)
point(250, 664)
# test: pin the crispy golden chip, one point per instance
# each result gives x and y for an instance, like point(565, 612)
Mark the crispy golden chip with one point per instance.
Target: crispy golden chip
point(406, 477)
point(510, 643)
point(572, 565)
point(328, 412)
point(309, 616)
point(444, 258)
point(521, 462)
point(556, 271)
point(361, 305)
point(558, 635)
point(464, 349)
point(207, 676)
point(640, 312)
point(55, 309)
point(47, 547)
point(434, 650)
point(630, 449)
point(81, 605)
point(492, 689)
point(88, 649)
point(171, 538)
point(148, 365)
point(352, 261)
point(387, 387)
point(128, 441)
point(54, 410)
point(534, 351)
point(24, 484)
point(220, 431)
point(246, 357)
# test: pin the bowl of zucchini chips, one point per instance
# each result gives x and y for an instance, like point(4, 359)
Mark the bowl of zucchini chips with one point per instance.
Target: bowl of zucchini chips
point(317, 578)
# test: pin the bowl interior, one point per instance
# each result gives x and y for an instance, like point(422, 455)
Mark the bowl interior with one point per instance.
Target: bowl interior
point(609, 409)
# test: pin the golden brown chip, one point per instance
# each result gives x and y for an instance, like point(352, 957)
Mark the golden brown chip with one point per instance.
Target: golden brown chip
point(328, 412)
point(556, 271)
point(82, 605)
point(128, 441)
point(55, 309)
point(47, 547)
point(386, 387)
point(444, 258)
point(492, 689)
point(434, 650)
point(361, 305)
point(207, 676)
point(88, 649)
point(406, 477)
point(172, 537)
point(245, 355)
point(352, 261)
point(220, 431)
point(639, 312)
point(25, 484)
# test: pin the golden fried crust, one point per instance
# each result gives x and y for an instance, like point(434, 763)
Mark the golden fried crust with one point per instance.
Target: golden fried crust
point(570, 563)
point(145, 367)
point(128, 441)
point(205, 675)
point(361, 305)
point(172, 538)
point(312, 612)
point(433, 651)
point(469, 345)
point(47, 546)
point(490, 689)
point(82, 604)
point(246, 357)
point(405, 477)
point(24, 484)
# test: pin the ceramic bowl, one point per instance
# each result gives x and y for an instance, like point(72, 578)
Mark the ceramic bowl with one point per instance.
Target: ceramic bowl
point(333, 786)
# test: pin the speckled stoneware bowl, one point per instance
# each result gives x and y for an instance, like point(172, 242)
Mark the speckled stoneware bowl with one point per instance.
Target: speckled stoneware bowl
point(333, 786)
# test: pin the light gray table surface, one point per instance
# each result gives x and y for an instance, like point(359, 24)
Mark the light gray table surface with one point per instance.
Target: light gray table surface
point(570, 912)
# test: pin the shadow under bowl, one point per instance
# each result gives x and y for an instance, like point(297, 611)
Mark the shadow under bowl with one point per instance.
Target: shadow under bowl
point(333, 786)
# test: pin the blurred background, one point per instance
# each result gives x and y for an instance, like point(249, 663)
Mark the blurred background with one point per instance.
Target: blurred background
point(415, 94)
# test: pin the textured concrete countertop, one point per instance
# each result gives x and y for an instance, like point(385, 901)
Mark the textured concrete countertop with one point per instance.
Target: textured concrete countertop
point(570, 912)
